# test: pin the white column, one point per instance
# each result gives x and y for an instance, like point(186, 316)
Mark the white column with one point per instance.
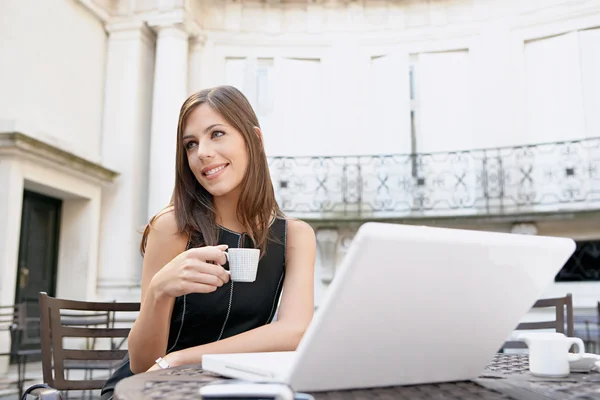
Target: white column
point(11, 203)
point(327, 241)
point(170, 91)
point(125, 148)
point(195, 74)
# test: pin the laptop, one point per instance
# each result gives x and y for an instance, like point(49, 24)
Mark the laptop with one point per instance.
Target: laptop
point(411, 305)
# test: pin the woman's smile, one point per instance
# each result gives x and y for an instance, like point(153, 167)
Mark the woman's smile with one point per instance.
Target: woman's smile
point(213, 171)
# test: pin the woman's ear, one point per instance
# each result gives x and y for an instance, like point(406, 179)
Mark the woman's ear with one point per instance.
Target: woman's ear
point(259, 134)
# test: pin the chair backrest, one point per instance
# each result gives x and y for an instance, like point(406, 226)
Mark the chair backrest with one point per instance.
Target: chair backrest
point(12, 317)
point(82, 320)
point(563, 317)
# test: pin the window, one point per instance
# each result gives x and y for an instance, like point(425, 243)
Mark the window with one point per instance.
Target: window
point(389, 102)
point(590, 69)
point(264, 86)
point(287, 96)
point(421, 102)
point(301, 108)
point(256, 79)
point(553, 89)
point(440, 121)
point(235, 73)
point(441, 108)
point(414, 109)
point(584, 264)
point(563, 86)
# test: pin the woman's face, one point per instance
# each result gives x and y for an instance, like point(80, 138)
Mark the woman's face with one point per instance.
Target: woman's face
point(216, 151)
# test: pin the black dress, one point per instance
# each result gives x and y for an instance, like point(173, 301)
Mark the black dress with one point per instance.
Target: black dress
point(236, 307)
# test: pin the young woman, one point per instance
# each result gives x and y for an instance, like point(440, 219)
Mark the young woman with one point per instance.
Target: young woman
point(223, 197)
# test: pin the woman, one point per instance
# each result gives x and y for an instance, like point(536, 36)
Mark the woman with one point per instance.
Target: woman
point(223, 197)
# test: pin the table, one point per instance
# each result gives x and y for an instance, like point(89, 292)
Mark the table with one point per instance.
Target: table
point(506, 377)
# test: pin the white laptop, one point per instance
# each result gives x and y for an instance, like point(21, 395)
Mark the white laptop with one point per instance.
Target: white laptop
point(411, 305)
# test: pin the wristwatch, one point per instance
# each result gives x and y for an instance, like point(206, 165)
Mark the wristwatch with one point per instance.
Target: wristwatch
point(162, 363)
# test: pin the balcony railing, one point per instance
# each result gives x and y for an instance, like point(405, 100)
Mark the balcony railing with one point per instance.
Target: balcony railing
point(549, 177)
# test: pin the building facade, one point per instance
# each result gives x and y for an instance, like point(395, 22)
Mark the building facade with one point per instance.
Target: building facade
point(462, 113)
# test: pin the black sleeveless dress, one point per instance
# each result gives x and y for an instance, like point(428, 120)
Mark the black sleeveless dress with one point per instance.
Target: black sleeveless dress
point(236, 307)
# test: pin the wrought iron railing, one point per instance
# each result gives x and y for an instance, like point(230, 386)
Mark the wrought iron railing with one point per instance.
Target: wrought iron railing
point(498, 181)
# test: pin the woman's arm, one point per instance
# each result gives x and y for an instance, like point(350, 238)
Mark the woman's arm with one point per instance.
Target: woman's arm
point(150, 332)
point(295, 311)
point(169, 271)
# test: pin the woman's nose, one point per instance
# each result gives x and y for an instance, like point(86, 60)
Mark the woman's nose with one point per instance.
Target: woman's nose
point(204, 150)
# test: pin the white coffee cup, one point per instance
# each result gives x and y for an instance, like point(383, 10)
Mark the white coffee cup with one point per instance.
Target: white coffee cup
point(549, 353)
point(243, 264)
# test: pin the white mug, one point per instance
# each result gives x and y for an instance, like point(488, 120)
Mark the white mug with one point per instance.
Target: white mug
point(549, 353)
point(243, 264)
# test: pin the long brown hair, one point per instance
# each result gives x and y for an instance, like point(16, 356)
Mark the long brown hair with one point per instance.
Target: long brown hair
point(193, 205)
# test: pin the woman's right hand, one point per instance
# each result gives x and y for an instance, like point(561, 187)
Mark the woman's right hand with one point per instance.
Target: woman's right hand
point(192, 272)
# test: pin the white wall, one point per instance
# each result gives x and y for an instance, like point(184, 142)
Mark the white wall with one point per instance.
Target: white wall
point(478, 67)
point(80, 217)
point(326, 78)
point(52, 72)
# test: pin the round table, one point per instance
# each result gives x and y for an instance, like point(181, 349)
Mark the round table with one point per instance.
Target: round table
point(506, 377)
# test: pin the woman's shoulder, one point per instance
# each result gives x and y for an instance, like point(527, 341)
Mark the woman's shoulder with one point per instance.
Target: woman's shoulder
point(164, 231)
point(299, 232)
point(165, 221)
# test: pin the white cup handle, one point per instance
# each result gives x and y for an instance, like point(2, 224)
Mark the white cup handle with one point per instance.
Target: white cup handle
point(227, 257)
point(580, 347)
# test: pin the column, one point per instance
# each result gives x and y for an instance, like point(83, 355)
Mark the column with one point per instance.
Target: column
point(11, 202)
point(196, 72)
point(170, 91)
point(125, 148)
point(327, 242)
point(524, 228)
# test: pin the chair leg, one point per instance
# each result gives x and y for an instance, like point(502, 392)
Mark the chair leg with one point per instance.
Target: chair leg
point(24, 375)
point(19, 376)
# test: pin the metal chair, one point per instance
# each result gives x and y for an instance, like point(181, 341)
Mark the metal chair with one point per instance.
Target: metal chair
point(563, 319)
point(58, 323)
point(14, 319)
point(592, 325)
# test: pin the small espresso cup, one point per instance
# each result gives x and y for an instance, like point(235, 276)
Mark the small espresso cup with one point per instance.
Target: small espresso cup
point(243, 264)
point(549, 353)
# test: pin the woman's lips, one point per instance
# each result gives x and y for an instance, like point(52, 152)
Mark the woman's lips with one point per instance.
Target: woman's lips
point(214, 173)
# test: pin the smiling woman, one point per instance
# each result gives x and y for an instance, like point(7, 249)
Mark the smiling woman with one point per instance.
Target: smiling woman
point(223, 198)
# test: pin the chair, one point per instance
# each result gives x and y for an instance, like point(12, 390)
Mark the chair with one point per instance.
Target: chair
point(58, 323)
point(86, 320)
point(562, 318)
point(14, 319)
point(593, 343)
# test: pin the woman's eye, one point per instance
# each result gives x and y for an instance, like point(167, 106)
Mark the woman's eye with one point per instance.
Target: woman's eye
point(217, 134)
point(189, 145)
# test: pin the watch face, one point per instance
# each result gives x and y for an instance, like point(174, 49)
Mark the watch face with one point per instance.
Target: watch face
point(162, 363)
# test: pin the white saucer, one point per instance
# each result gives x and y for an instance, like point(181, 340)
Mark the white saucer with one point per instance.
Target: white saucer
point(588, 362)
